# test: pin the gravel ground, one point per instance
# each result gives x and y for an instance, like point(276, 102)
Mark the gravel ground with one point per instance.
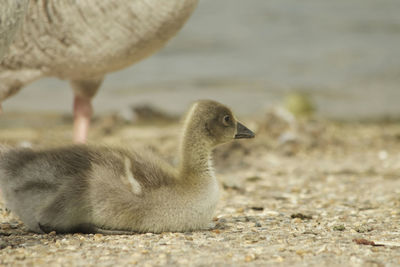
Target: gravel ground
point(312, 193)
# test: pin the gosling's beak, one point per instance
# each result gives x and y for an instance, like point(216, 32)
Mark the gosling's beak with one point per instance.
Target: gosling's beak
point(243, 132)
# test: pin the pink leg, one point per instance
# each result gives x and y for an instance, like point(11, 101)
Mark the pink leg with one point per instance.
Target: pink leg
point(84, 91)
point(82, 114)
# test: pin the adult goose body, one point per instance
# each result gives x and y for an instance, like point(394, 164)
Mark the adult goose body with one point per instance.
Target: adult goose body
point(82, 41)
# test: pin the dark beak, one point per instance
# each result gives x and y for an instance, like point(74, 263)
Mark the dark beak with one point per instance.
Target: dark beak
point(243, 132)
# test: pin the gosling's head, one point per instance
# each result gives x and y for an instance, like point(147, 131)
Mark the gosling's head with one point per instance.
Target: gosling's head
point(214, 123)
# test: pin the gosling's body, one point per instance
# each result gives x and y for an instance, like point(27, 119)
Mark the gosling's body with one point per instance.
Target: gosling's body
point(95, 189)
point(81, 188)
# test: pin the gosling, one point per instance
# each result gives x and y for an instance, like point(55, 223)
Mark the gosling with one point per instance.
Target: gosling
point(116, 191)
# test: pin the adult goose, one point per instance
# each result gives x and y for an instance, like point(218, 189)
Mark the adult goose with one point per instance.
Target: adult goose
point(82, 41)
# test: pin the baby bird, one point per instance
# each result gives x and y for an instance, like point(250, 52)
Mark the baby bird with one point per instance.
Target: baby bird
point(104, 190)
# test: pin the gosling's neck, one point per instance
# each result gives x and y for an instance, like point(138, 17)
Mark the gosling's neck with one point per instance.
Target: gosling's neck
point(195, 156)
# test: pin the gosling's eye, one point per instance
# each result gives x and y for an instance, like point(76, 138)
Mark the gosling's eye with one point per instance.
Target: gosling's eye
point(226, 120)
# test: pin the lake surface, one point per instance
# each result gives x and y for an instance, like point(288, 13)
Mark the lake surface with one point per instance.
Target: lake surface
point(249, 54)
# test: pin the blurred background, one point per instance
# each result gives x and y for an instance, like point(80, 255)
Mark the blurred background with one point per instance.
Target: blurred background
point(343, 54)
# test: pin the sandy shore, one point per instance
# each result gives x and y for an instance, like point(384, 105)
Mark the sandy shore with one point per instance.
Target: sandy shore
point(303, 197)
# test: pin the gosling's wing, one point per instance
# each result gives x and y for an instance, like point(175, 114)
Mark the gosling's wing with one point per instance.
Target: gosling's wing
point(136, 171)
point(121, 187)
point(150, 170)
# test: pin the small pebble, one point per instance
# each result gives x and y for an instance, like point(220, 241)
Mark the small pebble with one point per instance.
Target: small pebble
point(249, 258)
point(339, 227)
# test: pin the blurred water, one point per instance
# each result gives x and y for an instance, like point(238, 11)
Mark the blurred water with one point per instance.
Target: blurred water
point(248, 54)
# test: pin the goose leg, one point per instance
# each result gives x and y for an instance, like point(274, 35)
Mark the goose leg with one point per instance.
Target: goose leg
point(84, 91)
point(82, 114)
